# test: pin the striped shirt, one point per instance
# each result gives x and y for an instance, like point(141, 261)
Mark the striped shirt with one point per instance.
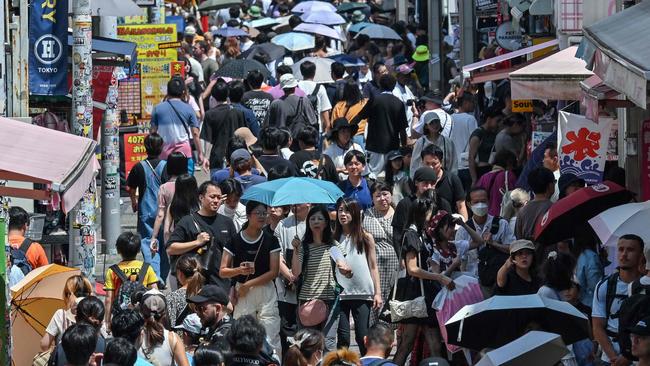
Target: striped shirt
point(318, 277)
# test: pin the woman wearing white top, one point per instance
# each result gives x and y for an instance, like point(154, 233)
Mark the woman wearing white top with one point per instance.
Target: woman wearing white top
point(159, 346)
point(341, 143)
point(362, 291)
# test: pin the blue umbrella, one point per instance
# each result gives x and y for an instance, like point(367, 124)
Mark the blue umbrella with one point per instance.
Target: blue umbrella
point(356, 28)
point(323, 17)
point(294, 41)
point(347, 60)
point(230, 32)
point(535, 161)
point(293, 191)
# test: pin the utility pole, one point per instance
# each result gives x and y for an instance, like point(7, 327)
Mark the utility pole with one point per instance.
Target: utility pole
point(110, 144)
point(111, 166)
point(83, 236)
point(467, 31)
point(3, 59)
point(434, 16)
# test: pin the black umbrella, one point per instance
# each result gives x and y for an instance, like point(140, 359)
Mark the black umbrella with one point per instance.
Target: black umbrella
point(274, 51)
point(208, 5)
point(238, 69)
point(502, 319)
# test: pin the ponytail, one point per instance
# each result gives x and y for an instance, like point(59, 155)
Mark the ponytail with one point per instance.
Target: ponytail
point(190, 267)
point(294, 357)
point(154, 331)
point(302, 347)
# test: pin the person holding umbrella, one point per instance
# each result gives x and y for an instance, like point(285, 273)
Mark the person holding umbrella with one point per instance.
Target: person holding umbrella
point(318, 290)
point(517, 276)
point(252, 259)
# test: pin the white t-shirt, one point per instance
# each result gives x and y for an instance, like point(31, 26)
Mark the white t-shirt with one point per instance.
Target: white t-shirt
point(463, 124)
point(61, 320)
point(598, 307)
point(324, 104)
point(405, 94)
point(445, 262)
point(337, 154)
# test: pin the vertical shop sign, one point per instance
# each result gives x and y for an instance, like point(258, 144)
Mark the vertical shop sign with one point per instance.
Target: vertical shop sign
point(583, 146)
point(134, 150)
point(155, 62)
point(645, 160)
point(48, 53)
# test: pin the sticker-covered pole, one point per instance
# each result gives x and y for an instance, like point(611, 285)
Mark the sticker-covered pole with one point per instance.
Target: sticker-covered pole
point(82, 220)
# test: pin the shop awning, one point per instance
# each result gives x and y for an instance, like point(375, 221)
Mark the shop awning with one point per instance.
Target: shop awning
point(616, 49)
point(63, 161)
point(105, 49)
point(556, 77)
point(509, 56)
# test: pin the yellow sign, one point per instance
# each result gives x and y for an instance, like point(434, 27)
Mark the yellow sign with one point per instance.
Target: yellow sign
point(522, 106)
point(155, 62)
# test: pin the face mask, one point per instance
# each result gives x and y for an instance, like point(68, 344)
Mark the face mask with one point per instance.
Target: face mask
point(480, 209)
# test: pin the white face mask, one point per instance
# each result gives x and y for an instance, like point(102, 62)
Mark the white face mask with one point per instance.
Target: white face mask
point(480, 209)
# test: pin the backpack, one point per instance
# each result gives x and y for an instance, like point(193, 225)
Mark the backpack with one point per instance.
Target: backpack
point(489, 258)
point(305, 116)
point(19, 256)
point(127, 288)
point(633, 309)
point(313, 97)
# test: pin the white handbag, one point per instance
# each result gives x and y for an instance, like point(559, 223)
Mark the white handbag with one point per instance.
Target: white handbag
point(416, 308)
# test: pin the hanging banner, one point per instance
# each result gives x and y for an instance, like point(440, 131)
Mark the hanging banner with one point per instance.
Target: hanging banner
point(155, 62)
point(583, 146)
point(48, 52)
point(645, 160)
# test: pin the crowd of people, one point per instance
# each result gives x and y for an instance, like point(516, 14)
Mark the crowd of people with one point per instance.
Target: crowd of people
point(430, 191)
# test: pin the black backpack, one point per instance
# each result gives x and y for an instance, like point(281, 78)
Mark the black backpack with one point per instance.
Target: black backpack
point(313, 97)
point(489, 258)
point(305, 116)
point(633, 309)
point(19, 256)
point(127, 288)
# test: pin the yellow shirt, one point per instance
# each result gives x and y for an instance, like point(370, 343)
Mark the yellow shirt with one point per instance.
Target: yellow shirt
point(342, 110)
point(131, 270)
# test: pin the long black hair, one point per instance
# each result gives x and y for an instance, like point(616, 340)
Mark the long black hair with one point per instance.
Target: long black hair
point(327, 232)
point(357, 235)
point(186, 198)
point(419, 209)
point(351, 93)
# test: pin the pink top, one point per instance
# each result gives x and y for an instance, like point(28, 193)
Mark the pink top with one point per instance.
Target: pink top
point(165, 195)
point(494, 182)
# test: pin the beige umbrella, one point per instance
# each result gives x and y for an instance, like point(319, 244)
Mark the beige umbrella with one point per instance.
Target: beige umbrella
point(33, 302)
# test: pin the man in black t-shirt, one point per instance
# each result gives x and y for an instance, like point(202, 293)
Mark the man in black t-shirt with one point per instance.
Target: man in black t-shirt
point(270, 138)
point(204, 233)
point(448, 185)
point(309, 162)
point(387, 124)
point(256, 99)
point(219, 125)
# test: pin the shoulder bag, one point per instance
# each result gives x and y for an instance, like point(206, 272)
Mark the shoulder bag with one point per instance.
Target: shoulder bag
point(185, 126)
point(405, 309)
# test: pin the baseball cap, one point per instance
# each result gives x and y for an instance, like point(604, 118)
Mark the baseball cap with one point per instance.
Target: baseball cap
point(520, 244)
point(238, 155)
point(566, 180)
point(210, 294)
point(392, 155)
point(434, 96)
point(641, 328)
point(425, 174)
point(154, 302)
point(288, 81)
point(429, 116)
point(191, 324)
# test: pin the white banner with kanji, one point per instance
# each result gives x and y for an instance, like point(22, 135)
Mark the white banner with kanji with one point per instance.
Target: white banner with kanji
point(583, 146)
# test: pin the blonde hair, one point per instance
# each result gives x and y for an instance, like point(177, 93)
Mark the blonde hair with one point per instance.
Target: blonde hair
point(518, 199)
point(341, 357)
point(76, 286)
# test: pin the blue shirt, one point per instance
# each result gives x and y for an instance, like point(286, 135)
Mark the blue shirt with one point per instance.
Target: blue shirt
point(368, 360)
point(589, 272)
point(249, 117)
point(360, 193)
point(169, 126)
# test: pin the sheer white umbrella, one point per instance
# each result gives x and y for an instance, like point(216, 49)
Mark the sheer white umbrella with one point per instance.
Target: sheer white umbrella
point(532, 349)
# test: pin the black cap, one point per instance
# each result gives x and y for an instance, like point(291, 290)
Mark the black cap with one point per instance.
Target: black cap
point(566, 180)
point(210, 294)
point(342, 122)
point(395, 154)
point(433, 96)
point(641, 328)
point(425, 174)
